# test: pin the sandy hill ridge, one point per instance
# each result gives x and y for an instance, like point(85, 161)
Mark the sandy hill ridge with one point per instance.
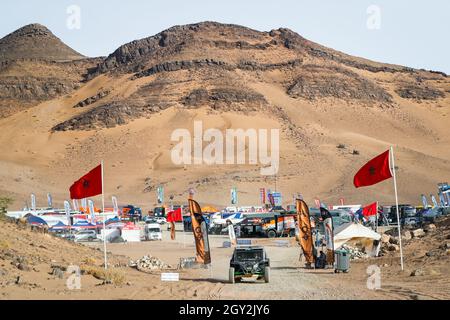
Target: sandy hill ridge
point(123, 108)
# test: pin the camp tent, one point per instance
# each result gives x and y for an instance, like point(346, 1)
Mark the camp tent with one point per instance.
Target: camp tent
point(356, 234)
point(209, 209)
point(59, 226)
point(83, 224)
point(36, 221)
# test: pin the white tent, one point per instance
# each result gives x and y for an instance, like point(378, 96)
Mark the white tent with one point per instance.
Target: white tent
point(357, 234)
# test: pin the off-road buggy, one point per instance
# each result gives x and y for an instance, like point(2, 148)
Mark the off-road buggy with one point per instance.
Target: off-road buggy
point(249, 263)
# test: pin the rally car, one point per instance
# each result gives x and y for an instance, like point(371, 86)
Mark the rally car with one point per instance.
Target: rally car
point(249, 263)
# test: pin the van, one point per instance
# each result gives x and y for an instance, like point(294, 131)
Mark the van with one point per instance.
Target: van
point(153, 231)
point(85, 235)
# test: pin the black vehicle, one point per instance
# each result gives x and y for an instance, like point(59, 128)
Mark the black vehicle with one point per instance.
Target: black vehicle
point(249, 262)
point(408, 215)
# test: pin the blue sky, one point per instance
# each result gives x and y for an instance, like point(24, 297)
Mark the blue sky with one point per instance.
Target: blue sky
point(411, 33)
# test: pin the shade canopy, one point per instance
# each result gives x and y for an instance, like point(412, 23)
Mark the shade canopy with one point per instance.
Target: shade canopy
point(34, 220)
point(353, 232)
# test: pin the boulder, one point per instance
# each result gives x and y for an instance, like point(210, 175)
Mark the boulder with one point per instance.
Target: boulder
point(418, 233)
point(394, 240)
point(385, 238)
point(393, 247)
point(429, 228)
point(417, 272)
point(406, 235)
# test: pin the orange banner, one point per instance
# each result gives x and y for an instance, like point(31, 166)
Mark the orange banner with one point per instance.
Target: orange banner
point(200, 231)
point(304, 226)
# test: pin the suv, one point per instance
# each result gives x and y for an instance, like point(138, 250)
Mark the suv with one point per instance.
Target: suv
point(85, 235)
point(249, 263)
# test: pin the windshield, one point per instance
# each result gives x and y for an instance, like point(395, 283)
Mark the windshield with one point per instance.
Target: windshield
point(249, 255)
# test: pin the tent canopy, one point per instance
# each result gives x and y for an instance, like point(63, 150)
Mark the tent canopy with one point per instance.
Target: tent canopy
point(59, 225)
point(83, 224)
point(209, 209)
point(36, 220)
point(354, 231)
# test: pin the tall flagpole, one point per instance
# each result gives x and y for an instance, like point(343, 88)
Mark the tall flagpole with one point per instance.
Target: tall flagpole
point(104, 219)
point(396, 205)
point(376, 218)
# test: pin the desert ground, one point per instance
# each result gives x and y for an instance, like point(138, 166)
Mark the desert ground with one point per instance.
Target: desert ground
point(28, 259)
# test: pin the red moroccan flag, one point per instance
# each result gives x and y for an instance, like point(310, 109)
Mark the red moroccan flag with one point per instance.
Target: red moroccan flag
point(370, 210)
point(174, 216)
point(374, 171)
point(88, 185)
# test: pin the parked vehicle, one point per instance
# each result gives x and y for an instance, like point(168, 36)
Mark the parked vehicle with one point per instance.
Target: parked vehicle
point(85, 235)
point(430, 215)
point(161, 220)
point(408, 215)
point(159, 212)
point(153, 231)
point(249, 263)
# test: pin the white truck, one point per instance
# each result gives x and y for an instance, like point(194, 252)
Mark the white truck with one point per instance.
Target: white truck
point(153, 231)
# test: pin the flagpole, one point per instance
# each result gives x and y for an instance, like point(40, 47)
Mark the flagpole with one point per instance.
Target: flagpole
point(104, 223)
point(376, 218)
point(396, 205)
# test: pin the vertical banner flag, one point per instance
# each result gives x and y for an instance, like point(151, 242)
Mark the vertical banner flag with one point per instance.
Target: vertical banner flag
point(442, 199)
point(262, 195)
point(370, 210)
point(277, 199)
point(234, 195)
point(33, 201)
point(160, 194)
point(304, 228)
point(329, 236)
point(200, 233)
point(374, 171)
point(191, 193)
point(317, 203)
point(91, 210)
point(75, 205)
point(271, 199)
point(84, 204)
point(49, 200)
point(88, 185)
point(433, 199)
point(115, 205)
point(424, 201)
point(67, 211)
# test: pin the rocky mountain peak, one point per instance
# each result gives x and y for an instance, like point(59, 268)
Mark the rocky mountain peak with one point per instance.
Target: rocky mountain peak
point(35, 41)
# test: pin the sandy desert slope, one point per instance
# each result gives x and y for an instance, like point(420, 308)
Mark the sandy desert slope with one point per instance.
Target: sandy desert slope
point(126, 108)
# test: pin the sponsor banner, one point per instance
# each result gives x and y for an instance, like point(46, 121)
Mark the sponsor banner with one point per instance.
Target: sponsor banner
point(262, 195)
point(277, 198)
point(67, 211)
point(304, 228)
point(91, 210)
point(317, 203)
point(49, 200)
point(234, 198)
point(433, 199)
point(84, 204)
point(424, 202)
point(160, 194)
point(33, 201)
point(200, 231)
point(115, 204)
